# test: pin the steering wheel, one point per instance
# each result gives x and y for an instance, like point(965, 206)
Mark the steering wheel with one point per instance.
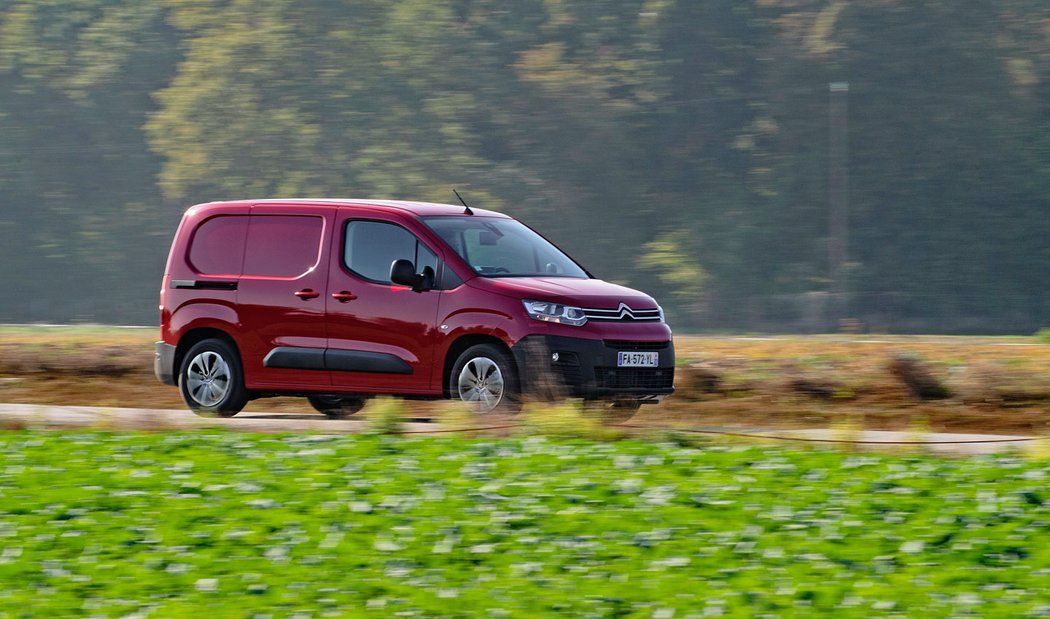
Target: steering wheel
point(493, 270)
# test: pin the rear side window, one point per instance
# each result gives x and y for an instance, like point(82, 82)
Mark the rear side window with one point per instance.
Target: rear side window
point(218, 245)
point(372, 246)
point(282, 245)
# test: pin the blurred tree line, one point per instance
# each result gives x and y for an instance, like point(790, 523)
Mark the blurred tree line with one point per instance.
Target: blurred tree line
point(675, 145)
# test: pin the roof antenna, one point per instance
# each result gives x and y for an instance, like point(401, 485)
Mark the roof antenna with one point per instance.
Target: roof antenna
point(468, 211)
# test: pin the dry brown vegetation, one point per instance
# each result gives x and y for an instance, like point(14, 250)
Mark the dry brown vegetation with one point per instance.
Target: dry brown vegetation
point(999, 385)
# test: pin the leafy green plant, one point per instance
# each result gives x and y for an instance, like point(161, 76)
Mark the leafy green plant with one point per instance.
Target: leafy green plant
point(366, 526)
point(385, 415)
point(168, 524)
point(460, 417)
point(564, 419)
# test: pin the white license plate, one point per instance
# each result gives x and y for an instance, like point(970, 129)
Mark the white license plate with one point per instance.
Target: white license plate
point(637, 359)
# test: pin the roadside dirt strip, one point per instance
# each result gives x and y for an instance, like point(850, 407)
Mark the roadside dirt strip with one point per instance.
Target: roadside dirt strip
point(104, 418)
point(17, 416)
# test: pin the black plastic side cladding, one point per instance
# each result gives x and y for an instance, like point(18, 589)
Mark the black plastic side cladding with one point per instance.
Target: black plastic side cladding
point(293, 358)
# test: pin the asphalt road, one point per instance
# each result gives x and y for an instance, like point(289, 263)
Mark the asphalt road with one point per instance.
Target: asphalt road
point(58, 417)
point(15, 416)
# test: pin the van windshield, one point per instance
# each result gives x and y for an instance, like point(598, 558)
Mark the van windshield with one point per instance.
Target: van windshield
point(498, 247)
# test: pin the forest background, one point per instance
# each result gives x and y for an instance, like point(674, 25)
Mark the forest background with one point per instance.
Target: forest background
point(709, 152)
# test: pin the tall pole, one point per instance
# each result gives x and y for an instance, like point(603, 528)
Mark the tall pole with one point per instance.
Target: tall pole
point(838, 187)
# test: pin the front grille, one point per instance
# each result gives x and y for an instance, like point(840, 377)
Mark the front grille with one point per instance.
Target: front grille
point(622, 313)
point(634, 378)
point(569, 374)
point(632, 345)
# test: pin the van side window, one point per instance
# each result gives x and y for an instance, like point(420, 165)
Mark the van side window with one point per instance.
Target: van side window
point(217, 247)
point(282, 245)
point(372, 246)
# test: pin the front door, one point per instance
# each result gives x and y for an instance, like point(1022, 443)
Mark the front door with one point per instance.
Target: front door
point(281, 295)
point(380, 335)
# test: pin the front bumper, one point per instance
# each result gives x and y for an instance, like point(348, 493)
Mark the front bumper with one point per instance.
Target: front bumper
point(587, 368)
point(164, 363)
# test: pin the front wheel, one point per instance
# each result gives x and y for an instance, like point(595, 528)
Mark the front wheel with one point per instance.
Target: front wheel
point(211, 379)
point(485, 378)
point(335, 406)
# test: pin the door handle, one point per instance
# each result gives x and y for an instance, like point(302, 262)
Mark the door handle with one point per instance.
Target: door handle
point(343, 296)
point(307, 294)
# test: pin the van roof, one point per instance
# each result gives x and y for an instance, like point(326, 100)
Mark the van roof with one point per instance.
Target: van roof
point(420, 209)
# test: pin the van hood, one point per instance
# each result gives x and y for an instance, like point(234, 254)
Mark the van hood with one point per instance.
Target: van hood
point(591, 293)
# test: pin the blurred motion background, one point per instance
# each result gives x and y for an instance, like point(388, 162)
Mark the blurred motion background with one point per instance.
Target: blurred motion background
point(767, 165)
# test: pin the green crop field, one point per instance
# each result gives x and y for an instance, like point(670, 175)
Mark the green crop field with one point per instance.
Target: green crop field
point(239, 525)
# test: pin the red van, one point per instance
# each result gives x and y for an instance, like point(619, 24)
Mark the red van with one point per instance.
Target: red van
point(340, 300)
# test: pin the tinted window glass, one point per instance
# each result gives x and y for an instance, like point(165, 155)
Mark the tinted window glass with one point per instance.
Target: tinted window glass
point(218, 245)
point(282, 245)
point(372, 246)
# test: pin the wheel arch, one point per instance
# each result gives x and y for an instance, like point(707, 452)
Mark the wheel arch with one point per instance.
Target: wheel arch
point(462, 344)
point(195, 336)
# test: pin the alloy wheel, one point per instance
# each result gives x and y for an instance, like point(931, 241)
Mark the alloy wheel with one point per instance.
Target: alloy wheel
point(208, 377)
point(481, 383)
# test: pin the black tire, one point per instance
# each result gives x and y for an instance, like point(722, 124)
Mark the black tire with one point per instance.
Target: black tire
point(336, 406)
point(211, 379)
point(484, 376)
point(614, 411)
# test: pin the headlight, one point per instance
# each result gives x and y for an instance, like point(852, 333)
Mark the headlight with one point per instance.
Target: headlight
point(555, 312)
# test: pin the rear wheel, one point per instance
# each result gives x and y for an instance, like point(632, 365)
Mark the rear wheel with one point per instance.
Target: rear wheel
point(336, 406)
point(211, 379)
point(484, 377)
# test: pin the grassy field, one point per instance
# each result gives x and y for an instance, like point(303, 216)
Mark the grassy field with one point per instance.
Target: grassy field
point(240, 525)
point(996, 384)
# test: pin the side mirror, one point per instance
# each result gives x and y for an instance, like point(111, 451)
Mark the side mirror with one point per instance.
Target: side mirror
point(402, 272)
